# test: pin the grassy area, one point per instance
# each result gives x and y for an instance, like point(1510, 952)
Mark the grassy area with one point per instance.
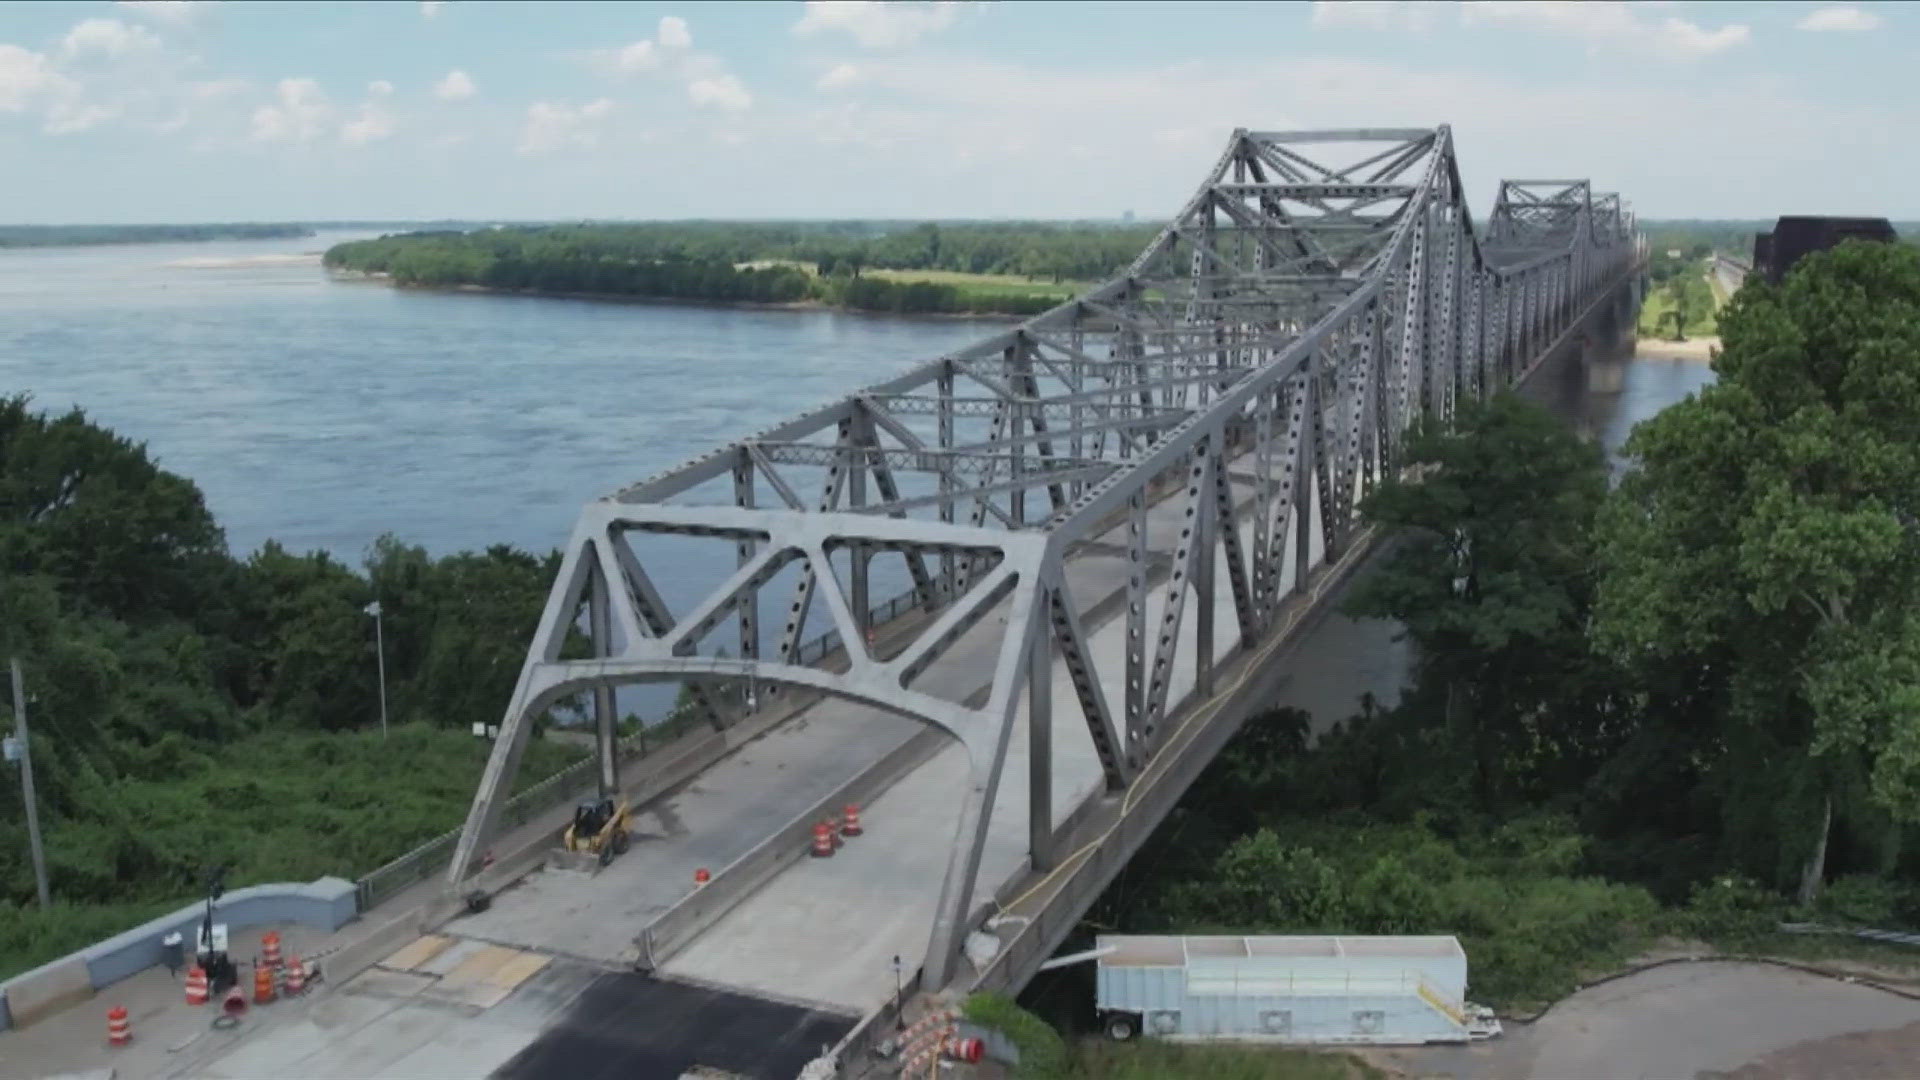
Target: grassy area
point(974, 288)
point(1151, 1060)
point(1892, 963)
point(278, 806)
point(1702, 305)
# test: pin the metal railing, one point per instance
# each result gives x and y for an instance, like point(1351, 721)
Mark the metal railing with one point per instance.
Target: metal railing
point(431, 857)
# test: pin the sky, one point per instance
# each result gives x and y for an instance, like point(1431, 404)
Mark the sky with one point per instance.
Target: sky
point(193, 111)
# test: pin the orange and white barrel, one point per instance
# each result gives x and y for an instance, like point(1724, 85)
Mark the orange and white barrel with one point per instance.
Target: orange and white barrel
point(119, 1031)
point(198, 991)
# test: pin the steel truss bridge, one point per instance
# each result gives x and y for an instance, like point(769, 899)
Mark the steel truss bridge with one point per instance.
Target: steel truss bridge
point(1248, 379)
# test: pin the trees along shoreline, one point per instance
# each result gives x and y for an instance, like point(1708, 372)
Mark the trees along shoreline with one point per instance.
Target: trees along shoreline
point(1004, 269)
point(192, 707)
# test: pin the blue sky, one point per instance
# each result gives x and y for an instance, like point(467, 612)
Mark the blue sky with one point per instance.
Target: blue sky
point(264, 111)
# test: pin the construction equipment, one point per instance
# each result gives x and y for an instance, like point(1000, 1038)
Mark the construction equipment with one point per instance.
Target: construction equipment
point(597, 833)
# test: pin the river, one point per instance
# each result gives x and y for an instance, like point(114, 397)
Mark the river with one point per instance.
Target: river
point(323, 412)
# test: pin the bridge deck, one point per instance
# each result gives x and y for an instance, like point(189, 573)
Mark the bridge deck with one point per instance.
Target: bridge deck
point(824, 930)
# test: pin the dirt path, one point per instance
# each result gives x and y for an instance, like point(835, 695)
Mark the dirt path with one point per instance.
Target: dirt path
point(1707, 1020)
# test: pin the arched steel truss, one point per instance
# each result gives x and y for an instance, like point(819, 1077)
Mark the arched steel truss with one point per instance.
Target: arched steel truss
point(1260, 362)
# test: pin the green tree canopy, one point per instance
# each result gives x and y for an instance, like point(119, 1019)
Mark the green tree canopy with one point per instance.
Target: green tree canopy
point(1489, 574)
point(1770, 533)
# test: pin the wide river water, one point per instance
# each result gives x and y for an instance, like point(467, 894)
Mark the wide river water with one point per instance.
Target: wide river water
point(322, 412)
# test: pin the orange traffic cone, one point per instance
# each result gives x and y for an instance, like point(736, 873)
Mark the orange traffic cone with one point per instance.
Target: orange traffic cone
point(262, 985)
point(702, 876)
point(197, 990)
point(119, 1032)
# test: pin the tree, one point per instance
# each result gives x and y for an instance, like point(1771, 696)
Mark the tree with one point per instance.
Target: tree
point(1768, 533)
point(1489, 574)
point(89, 509)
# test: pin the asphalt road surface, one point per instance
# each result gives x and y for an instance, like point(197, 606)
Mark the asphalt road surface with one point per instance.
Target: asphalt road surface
point(636, 1027)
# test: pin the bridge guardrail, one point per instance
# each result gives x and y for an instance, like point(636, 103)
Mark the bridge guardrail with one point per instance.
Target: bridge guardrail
point(383, 883)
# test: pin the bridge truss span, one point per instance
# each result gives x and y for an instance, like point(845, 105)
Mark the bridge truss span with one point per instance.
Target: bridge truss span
point(1208, 422)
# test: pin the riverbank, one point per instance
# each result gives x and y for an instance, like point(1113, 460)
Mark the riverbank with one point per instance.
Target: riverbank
point(1703, 348)
point(807, 305)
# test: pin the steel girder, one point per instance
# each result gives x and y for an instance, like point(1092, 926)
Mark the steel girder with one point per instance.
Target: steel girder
point(1254, 371)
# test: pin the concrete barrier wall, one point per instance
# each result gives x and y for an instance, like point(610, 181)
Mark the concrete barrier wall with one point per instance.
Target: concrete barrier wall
point(326, 904)
point(742, 877)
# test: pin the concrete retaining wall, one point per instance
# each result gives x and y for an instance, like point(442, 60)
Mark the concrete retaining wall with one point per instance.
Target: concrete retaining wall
point(327, 904)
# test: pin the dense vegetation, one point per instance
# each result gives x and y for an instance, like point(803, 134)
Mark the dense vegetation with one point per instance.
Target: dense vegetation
point(74, 235)
point(766, 263)
point(1686, 706)
point(191, 708)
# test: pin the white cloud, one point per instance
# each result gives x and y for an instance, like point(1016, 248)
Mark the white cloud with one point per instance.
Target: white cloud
point(430, 8)
point(457, 86)
point(839, 75)
point(380, 88)
point(108, 37)
point(74, 117)
point(721, 92)
point(1375, 14)
point(372, 125)
point(26, 77)
point(668, 56)
point(300, 113)
point(875, 24)
point(640, 56)
point(555, 126)
point(175, 12)
point(1610, 22)
point(674, 33)
point(1844, 17)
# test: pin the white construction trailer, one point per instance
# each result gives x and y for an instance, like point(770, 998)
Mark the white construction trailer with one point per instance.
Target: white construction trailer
point(1305, 990)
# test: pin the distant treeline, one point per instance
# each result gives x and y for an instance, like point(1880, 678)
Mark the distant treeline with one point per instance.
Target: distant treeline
point(1698, 239)
point(75, 235)
point(762, 262)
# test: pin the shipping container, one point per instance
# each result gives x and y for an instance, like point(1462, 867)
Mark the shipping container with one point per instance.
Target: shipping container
point(1288, 989)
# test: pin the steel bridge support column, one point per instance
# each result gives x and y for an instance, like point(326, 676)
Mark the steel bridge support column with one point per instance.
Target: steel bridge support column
point(1203, 580)
point(1040, 747)
point(986, 755)
point(859, 554)
point(605, 721)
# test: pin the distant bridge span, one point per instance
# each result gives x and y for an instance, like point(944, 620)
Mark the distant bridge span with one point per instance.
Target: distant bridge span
point(1127, 503)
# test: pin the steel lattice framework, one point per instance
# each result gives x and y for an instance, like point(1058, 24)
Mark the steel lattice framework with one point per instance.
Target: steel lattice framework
point(1258, 365)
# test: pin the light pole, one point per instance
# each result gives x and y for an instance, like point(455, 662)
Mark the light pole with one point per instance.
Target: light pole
point(380, 653)
point(899, 996)
point(21, 748)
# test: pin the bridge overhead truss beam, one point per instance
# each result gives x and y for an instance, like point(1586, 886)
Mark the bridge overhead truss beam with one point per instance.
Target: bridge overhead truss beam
point(1227, 402)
